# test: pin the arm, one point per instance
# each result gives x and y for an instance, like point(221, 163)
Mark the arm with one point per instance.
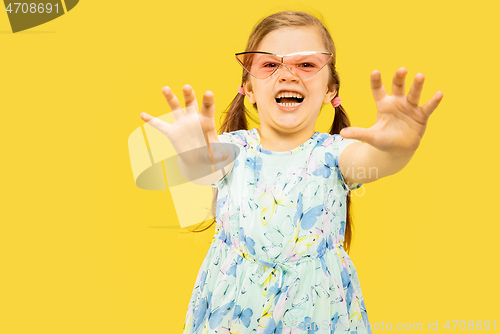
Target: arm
point(363, 163)
point(202, 175)
point(207, 169)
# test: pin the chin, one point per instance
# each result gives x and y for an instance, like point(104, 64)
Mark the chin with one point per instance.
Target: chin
point(288, 124)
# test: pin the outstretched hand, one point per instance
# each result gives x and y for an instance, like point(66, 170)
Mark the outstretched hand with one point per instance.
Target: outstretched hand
point(191, 130)
point(400, 123)
point(193, 136)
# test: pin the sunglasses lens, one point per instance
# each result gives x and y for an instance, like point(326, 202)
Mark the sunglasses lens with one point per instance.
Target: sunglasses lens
point(263, 65)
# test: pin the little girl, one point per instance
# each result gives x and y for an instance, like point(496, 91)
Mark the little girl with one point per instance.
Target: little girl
point(277, 262)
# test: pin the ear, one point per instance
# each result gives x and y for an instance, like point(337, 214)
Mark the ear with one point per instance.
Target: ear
point(249, 92)
point(329, 95)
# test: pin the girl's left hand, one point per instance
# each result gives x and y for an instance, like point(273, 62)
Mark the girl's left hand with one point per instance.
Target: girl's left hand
point(400, 123)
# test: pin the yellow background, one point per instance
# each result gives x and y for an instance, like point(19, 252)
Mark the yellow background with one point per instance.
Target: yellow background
point(84, 250)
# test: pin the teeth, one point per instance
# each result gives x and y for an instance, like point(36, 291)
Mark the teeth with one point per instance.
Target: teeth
point(289, 105)
point(289, 94)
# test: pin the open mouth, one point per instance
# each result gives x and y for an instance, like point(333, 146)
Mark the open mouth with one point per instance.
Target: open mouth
point(289, 101)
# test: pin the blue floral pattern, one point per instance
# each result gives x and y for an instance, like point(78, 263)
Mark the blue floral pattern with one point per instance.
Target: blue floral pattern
point(276, 262)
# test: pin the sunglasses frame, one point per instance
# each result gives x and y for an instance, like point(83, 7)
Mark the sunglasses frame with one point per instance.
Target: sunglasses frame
point(282, 63)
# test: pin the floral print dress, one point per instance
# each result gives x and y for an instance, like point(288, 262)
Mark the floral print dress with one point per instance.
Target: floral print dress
point(276, 262)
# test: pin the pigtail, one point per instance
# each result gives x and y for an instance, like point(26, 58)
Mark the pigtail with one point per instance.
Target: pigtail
point(340, 121)
point(235, 116)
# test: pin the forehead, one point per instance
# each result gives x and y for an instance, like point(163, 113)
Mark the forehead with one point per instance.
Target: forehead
point(289, 40)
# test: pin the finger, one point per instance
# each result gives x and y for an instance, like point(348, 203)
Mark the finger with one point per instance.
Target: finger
point(378, 89)
point(208, 106)
point(173, 102)
point(353, 132)
point(156, 123)
point(416, 89)
point(432, 104)
point(190, 99)
point(398, 82)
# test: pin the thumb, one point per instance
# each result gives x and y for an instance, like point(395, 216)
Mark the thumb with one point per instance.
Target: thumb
point(353, 132)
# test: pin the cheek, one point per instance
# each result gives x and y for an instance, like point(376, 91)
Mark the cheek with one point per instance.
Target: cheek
point(264, 95)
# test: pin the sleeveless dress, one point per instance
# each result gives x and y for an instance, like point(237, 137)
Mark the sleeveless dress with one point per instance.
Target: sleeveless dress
point(276, 262)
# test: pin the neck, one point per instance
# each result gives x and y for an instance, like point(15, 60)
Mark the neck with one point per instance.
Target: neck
point(281, 141)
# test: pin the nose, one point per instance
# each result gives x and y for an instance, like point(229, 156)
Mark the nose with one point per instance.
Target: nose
point(285, 74)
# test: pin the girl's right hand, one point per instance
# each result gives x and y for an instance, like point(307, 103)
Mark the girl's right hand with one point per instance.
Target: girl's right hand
point(185, 134)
